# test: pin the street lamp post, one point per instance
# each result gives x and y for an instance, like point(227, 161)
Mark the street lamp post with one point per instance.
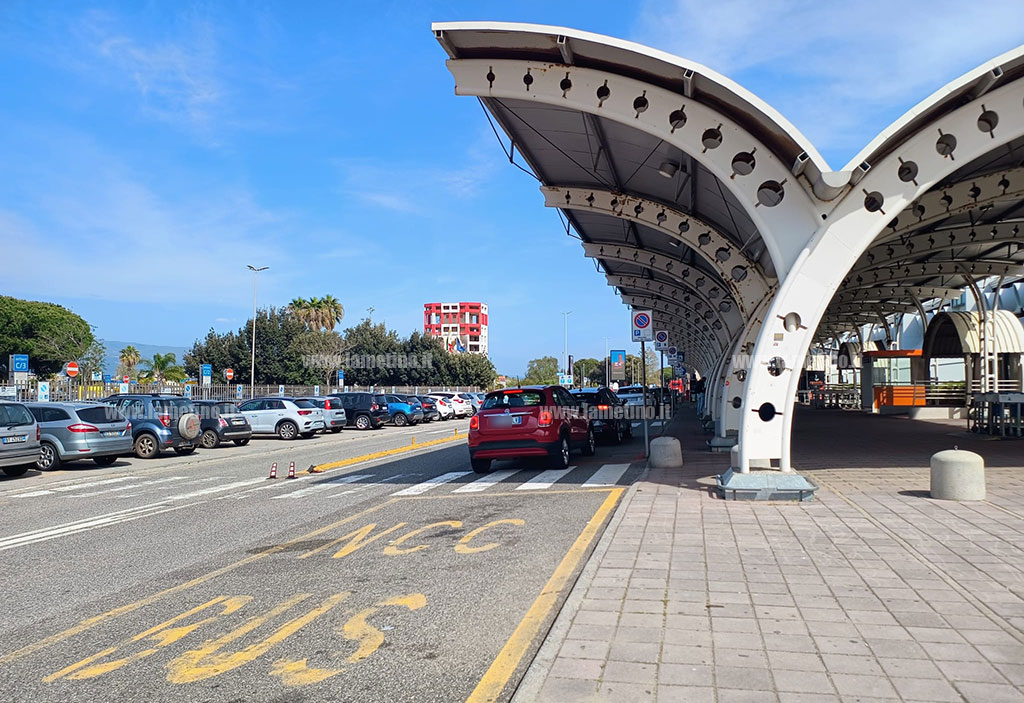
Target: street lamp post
point(565, 350)
point(252, 367)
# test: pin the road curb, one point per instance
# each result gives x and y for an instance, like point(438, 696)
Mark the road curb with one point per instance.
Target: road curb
point(536, 674)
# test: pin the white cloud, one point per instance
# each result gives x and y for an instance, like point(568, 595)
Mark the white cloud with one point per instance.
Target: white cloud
point(841, 72)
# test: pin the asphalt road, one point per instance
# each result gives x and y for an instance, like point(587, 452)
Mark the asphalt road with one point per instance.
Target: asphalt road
point(398, 576)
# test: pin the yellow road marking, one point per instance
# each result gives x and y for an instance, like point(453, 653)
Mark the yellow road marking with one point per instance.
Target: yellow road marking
point(89, 623)
point(393, 548)
point(341, 463)
point(369, 637)
point(463, 546)
point(508, 659)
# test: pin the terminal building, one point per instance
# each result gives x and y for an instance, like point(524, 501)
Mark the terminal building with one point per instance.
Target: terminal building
point(462, 326)
point(700, 202)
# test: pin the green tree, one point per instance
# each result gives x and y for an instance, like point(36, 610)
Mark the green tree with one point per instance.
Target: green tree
point(587, 371)
point(50, 334)
point(541, 371)
point(129, 358)
point(92, 360)
point(162, 367)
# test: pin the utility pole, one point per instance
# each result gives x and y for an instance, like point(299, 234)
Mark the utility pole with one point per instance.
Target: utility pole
point(252, 367)
point(643, 366)
point(607, 364)
point(565, 349)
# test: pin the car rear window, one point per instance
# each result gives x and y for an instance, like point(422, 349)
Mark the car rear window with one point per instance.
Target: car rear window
point(380, 400)
point(318, 403)
point(514, 399)
point(586, 397)
point(180, 405)
point(304, 404)
point(15, 415)
point(99, 414)
point(227, 408)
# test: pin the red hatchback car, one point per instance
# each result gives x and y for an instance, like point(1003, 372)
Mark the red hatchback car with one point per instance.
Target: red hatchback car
point(534, 421)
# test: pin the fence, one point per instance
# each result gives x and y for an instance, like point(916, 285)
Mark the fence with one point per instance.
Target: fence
point(83, 390)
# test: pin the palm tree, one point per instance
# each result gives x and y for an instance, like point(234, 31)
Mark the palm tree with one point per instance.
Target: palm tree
point(303, 310)
point(163, 367)
point(130, 358)
point(333, 311)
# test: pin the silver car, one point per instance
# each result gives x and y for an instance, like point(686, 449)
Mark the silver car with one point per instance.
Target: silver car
point(19, 439)
point(334, 415)
point(70, 431)
point(285, 417)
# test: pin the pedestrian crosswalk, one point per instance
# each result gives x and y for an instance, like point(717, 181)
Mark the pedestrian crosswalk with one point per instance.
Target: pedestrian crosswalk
point(178, 489)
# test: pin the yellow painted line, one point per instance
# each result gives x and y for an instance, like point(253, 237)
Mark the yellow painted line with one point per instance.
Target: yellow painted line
point(508, 659)
point(512, 494)
point(324, 468)
point(89, 623)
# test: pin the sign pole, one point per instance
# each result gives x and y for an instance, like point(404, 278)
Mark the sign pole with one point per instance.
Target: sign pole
point(643, 364)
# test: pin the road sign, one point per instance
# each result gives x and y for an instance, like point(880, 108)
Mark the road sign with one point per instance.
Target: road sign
point(71, 369)
point(341, 377)
point(97, 376)
point(229, 374)
point(43, 392)
point(660, 340)
point(671, 352)
point(206, 371)
point(618, 364)
point(125, 380)
point(19, 363)
point(316, 391)
point(124, 387)
point(188, 390)
point(564, 379)
point(643, 326)
point(280, 390)
point(239, 391)
point(106, 378)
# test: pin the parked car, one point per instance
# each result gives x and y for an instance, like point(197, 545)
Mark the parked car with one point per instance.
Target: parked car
point(429, 404)
point(364, 410)
point(19, 439)
point(604, 409)
point(444, 407)
point(159, 421)
point(474, 401)
point(533, 421)
point(404, 410)
point(460, 406)
point(288, 418)
point(222, 421)
point(70, 431)
point(334, 415)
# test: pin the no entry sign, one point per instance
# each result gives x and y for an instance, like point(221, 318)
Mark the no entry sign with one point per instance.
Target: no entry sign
point(71, 369)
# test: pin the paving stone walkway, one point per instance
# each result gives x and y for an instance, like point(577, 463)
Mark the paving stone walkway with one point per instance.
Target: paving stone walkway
point(872, 592)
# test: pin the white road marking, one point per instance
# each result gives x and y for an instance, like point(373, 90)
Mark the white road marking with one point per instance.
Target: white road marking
point(544, 479)
point(74, 487)
point(215, 489)
point(607, 475)
point(71, 528)
point(430, 483)
point(482, 484)
point(323, 485)
point(131, 487)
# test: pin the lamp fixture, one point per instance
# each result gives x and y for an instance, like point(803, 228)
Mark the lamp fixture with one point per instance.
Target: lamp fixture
point(668, 168)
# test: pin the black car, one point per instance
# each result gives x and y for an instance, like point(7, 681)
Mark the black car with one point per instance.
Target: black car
point(222, 422)
point(605, 410)
point(364, 410)
point(430, 411)
point(159, 421)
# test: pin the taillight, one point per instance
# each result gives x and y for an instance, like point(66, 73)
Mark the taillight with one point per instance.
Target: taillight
point(545, 418)
point(128, 429)
point(602, 407)
point(305, 412)
point(80, 427)
point(222, 422)
point(165, 420)
point(474, 423)
point(374, 407)
point(38, 433)
point(327, 405)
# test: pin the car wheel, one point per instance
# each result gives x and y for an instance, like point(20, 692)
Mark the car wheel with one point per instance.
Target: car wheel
point(591, 446)
point(19, 470)
point(363, 422)
point(400, 420)
point(241, 442)
point(335, 430)
point(184, 451)
point(618, 435)
point(561, 454)
point(146, 446)
point(629, 431)
point(287, 430)
point(48, 459)
point(210, 439)
point(104, 460)
point(306, 435)
point(481, 466)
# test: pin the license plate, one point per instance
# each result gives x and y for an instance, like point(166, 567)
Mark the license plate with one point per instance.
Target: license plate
point(112, 433)
point(238, 422)
point(517, 421)
point(16, 439)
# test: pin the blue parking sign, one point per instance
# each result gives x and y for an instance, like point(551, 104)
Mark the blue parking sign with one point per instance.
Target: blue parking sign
point(19, 363)
point(341, 377)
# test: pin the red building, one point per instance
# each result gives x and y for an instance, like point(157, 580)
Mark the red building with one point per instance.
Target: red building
point(462, 326)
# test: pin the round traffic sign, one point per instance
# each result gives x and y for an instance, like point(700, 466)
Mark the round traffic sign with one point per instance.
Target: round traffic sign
point(126, 379)
point(71, 369)
point(642, 320)
point(672, 351)
point(661, 336)
point(229, 374)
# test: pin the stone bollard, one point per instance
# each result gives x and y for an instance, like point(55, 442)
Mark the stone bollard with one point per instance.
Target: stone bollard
point(957, 475)
point(666, 453)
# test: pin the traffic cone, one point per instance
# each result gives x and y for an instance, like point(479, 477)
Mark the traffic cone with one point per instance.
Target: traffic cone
point(291, 470)
point(273, 471)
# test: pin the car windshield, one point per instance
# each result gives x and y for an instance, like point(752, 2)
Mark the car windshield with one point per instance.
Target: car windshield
point(99, 414)
point(514, 399)
point(15, 416)
point(304, 404)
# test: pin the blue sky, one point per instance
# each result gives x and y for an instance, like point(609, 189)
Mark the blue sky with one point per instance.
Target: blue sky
point(151, 150)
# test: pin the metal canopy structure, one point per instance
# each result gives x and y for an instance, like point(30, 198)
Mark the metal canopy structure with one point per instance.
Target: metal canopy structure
point(700, 201)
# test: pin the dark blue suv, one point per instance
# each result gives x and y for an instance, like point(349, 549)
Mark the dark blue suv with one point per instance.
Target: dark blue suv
point(159, 422)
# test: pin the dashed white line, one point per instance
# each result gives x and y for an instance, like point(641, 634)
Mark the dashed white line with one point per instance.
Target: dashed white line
point(430, 483)
point(545, 479)
point(607, 475)
point(482, 484)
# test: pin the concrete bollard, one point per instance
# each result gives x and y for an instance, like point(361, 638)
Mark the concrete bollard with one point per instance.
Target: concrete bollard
point(666, 453)
point(957, 475)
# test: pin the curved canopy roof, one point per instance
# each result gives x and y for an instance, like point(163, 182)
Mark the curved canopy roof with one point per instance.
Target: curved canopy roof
point(954, 334)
